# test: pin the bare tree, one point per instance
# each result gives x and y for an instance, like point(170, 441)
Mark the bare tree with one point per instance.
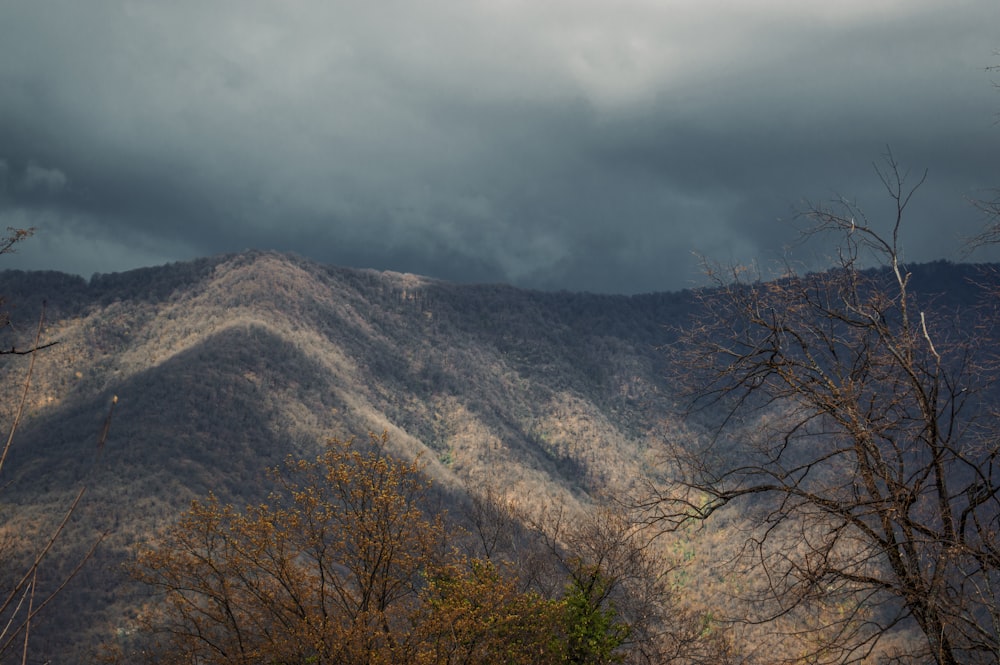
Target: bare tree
point(990, 233)
point(605, 565)
point(612, 560)
point(23, 596)
point(8, 246)
point(989, 205)
point(855, 432)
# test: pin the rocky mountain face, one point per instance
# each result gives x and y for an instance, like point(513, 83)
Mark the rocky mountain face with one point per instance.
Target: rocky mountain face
point(224, 366)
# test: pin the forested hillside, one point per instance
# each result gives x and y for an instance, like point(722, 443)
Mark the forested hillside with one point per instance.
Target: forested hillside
point(222, 367)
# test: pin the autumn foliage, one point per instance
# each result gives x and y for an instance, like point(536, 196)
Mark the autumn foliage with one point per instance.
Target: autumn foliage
point(343, 565)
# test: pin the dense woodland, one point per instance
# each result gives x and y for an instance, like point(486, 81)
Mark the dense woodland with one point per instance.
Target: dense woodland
point(533, 441)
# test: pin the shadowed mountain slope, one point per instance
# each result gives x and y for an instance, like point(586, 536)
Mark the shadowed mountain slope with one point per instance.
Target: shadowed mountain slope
point(224, 366)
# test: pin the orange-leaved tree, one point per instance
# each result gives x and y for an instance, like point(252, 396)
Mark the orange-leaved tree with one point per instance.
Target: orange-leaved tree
point(342, 564)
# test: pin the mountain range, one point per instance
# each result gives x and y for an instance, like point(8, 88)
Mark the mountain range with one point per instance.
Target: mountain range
point(219, 368)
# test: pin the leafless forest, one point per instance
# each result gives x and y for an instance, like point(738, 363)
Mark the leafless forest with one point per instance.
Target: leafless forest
point(558, 449)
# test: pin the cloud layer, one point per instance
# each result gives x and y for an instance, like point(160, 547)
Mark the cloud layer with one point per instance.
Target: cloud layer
point(573, 144)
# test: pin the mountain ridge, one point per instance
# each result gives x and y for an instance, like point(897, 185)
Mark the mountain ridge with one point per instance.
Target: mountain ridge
point(223, 366)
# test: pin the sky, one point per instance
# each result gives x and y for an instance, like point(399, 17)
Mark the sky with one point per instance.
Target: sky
point(586, 145)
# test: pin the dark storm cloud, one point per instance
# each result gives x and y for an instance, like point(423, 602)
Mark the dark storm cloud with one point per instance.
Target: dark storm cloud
point(567, 144)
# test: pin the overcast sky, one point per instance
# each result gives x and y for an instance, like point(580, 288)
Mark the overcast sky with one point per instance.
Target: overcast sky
point(598, 145)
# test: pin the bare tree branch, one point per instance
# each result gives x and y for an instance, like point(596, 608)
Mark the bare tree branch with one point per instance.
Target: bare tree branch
point(852, 434)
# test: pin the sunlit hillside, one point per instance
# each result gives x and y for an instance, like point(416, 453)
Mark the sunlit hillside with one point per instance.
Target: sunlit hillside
point(222, 367)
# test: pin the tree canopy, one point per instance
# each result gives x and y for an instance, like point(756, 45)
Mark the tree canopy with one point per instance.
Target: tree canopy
point(344, 564)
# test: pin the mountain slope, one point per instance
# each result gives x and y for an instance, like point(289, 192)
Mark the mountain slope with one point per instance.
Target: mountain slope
point(224, 366)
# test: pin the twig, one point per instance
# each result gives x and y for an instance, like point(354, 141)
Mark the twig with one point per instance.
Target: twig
point(923, 324)
point(27, 622)
point(24, 393)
